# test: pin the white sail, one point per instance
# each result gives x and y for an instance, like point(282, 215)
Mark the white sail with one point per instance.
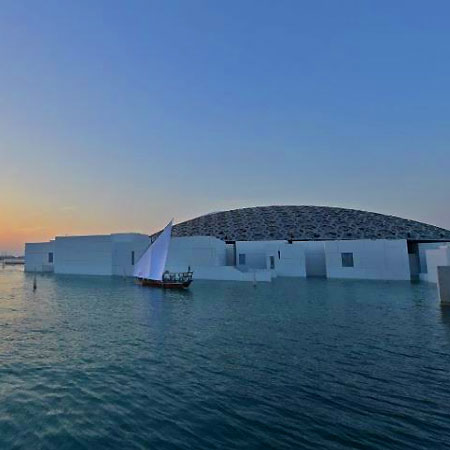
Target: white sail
point(153, 262)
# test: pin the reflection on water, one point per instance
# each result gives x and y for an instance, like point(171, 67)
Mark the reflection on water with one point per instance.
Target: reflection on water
point(98, 362)
point(444, 311)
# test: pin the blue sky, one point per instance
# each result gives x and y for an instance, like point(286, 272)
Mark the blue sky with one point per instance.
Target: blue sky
point(118, 115)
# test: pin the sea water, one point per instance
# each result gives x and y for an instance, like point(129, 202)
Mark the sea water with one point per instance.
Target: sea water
point(102, 363)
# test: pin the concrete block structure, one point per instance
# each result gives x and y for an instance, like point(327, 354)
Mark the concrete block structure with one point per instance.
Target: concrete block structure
point(380, 259)
point(112, 254)
point(39, 257)
point(433, 257)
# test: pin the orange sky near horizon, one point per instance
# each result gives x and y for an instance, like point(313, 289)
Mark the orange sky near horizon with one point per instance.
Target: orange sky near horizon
point(22, 221)
point(28, 218)
point(28, 215)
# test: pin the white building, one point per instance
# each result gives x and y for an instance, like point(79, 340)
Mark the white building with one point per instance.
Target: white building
point(259, 244)
point(432, 256)
point(113, 254)
point(381, 259)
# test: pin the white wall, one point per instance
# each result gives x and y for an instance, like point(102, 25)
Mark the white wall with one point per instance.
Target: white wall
point(230, 257)
point(435, 257)
point(123, 244)
point(255, 254)
point(423, 247)
point(289, 259)
point(196, 252)
point(315, 259)
point(381, 259)
point(83, 255)
point(208, 258)
point(37, 256)
point(99, 255)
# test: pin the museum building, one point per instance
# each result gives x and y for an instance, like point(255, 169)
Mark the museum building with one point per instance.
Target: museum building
point(262, 243)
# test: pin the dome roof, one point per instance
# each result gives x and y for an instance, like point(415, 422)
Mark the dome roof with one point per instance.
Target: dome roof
point(306, 223)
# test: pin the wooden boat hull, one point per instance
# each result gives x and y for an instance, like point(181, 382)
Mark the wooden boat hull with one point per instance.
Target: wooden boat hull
point(166, 284)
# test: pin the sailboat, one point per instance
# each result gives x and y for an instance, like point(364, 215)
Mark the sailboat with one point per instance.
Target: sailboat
point(150, 269)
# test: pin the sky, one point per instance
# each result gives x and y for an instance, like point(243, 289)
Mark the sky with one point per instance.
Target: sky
point(119, 115)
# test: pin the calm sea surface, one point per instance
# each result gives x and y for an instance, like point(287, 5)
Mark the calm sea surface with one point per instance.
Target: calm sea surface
point(101, 363)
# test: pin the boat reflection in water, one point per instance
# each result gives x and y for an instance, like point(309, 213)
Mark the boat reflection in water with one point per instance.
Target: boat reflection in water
point(151, 270)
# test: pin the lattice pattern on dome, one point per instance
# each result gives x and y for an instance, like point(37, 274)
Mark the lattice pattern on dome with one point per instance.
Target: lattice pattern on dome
point(306, 223)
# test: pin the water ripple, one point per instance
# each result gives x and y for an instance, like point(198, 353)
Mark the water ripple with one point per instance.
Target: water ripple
point(100, 363)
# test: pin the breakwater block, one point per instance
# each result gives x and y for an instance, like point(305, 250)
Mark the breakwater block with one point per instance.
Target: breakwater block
point(443, 273)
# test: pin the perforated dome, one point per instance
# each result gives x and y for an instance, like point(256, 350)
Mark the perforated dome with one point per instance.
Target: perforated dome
point(306, 223)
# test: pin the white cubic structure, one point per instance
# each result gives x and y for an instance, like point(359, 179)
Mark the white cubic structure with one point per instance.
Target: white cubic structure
point(315, 261)
point(112, 254)
point(39, 257)
point(280, 257)
point(83, 255)
point(210, 259)
point(379, 259)
point(434, 258)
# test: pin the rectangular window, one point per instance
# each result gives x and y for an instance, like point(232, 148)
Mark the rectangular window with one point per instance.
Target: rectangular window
point(272, 262)
point(132, 258)
point(242, 259)
point(50, 257)
point(347, 259)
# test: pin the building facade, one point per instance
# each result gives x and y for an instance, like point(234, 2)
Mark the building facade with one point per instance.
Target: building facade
point(113, 254)
point(259, 244)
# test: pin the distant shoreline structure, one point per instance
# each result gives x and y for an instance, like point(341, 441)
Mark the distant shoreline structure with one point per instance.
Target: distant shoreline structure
point(12, 260)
